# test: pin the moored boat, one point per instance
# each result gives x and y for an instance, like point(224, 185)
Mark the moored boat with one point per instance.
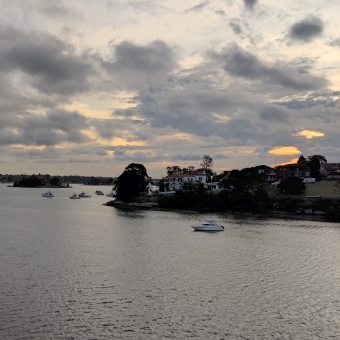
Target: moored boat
point(98, 192)
point(84, 195)
point(75, 197)
point(47, 194)
point(208, 225)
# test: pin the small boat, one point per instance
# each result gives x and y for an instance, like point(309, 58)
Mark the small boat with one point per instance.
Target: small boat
point(98, 192)
point(83, 195)
point(47, 194)
point(208, 225)
point(75, 197)
point(111, 194)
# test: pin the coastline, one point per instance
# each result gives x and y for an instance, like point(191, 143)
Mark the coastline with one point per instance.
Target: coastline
point(40, 187)
point(271, 214)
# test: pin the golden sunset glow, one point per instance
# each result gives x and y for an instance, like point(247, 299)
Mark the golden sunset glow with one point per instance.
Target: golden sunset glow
point(285, 150)
point(309, 134)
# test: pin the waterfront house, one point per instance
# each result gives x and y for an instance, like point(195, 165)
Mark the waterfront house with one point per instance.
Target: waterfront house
point(269, 173)
point(175, 181)
point(295, 170)
point(330, 170)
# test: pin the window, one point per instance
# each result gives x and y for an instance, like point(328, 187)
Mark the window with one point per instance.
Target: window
point(199, 178)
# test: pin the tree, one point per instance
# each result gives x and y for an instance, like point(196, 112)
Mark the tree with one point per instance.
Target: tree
point(175, 169)
point(131, 182)
point(302, 160)
point(207, 163)
point(291, 186)
point(189, 170)
point(243, 180)
point(314, 163)
point(55, 181)
point(32, 182)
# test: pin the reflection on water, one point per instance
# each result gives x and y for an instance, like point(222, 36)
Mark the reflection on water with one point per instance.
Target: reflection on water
point(80, 270)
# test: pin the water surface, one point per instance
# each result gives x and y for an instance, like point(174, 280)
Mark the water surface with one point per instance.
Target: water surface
point(75, 269)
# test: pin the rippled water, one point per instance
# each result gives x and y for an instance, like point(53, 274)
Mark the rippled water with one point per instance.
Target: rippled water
point(75, 269)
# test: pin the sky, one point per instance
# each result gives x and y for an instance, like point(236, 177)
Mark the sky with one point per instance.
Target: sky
point(87, 88)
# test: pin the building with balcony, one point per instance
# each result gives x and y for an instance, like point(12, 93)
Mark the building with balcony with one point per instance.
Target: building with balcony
point(295, 170)
point(269, 173)
point(175, 181)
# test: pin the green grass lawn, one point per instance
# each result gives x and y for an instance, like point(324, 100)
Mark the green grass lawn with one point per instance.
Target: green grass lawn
point(325, 189)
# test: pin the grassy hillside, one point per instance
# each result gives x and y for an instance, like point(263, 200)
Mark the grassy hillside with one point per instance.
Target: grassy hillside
point(326, 189)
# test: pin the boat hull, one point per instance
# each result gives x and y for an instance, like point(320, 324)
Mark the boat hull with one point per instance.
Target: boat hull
point(204, 228)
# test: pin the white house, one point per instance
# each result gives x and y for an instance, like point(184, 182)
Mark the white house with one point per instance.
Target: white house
point(175, 181)
point(269, 173)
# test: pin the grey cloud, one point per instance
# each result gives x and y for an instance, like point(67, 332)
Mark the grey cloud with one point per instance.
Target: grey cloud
point(52, 64)
point(139, 156)
point(56, 8)
point(220, 156)
point(110, 128)
point(240, 63)
point(80, 160)
point(153, 7)
point(327, 99)
point(134, 66)
point(307, 29)
point(220, 12)
point(124, 112)
point(188, 157)
point(335, 42)
point(47, 153)
point(55, 127)
point(101, 152)
point(273, 113)
point(236, 28)
point(263, 149)
point(120, 151)
point(198, 7)
point(250, 4)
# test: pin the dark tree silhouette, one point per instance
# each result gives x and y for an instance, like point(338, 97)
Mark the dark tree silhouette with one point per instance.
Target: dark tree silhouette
point(131, 182)
point(291, 186)
point(207, 163)
point(31, 182)
point(314, 163)
point(302, 160)
point(175, 169)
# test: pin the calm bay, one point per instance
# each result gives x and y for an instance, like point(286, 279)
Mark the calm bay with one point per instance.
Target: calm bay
point(75, 269)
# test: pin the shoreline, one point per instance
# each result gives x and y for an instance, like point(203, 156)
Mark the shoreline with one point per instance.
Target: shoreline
point(40, 187)
point(271, 214)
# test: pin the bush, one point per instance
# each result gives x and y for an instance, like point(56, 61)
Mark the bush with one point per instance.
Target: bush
point(291, 186)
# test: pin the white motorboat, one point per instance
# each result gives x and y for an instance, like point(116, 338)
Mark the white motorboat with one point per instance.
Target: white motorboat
point(111, 194)
point(98, 192)
point(47, 194)
point(83, 195)
point(75, 197)
point(208, 225)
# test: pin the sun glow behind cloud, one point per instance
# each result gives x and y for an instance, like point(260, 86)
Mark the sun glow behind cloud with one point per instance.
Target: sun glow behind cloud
point(309, 134)
point(284, 150)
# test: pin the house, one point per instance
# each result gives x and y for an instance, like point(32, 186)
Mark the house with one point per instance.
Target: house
point(269, 173)
point(295, 170)
point(330, 170)
point(46, 182)
point(175, 181)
